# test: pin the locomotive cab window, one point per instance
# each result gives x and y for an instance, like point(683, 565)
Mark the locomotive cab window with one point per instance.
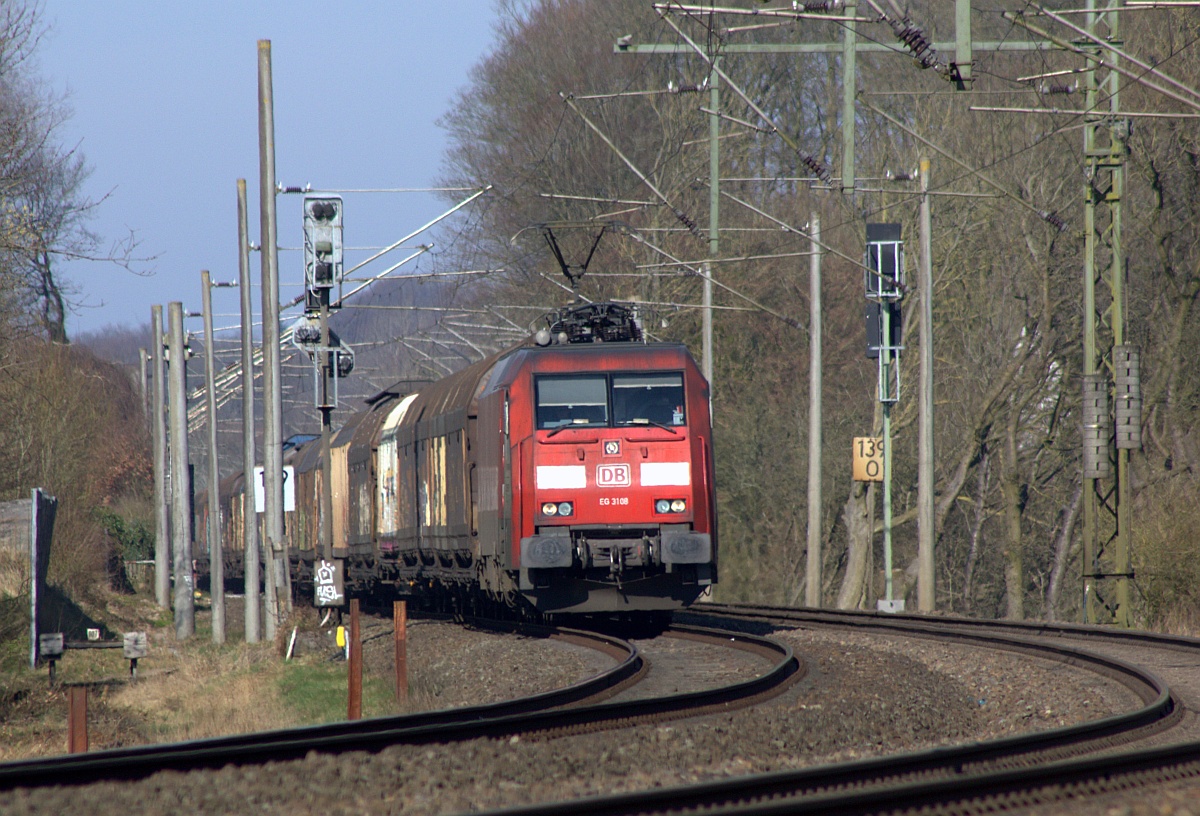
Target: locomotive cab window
point(648, 399)
point(571, 401)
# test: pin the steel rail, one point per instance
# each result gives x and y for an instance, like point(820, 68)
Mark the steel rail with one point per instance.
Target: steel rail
point(1027, 628)
point(541, 713)
point(1013, 636)
point(930, 778)
point(965, 794)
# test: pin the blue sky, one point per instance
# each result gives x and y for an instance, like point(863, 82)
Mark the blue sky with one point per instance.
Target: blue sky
point(163, 96)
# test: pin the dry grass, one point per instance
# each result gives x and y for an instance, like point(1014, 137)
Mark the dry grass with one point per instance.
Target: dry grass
point(184, 691)
point(209, 693)
point(14, 573)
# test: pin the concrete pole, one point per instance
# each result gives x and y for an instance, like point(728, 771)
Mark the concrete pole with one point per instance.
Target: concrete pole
point(849, 93)
point(181, 518)
point(926, 586)
point(714, 234)
point(812, 574)
point(158, 430)
point(272, 394)
point(252, 599)
point(216, 556)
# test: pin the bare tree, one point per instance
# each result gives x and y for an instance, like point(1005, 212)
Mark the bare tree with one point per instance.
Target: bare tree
point(44, 209)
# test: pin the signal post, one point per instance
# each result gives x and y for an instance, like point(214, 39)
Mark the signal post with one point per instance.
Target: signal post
point(332, 359)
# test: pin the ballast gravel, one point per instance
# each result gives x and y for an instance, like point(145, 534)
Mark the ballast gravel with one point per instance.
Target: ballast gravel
point(862, 696)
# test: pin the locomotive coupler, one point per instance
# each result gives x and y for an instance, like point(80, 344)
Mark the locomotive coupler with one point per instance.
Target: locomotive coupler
point(616, 557)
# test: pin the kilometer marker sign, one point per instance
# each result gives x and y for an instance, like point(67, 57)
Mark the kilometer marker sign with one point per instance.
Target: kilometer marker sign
point(868, 459)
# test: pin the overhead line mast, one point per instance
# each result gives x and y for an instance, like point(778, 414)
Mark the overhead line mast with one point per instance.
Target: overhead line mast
point(1107, 508)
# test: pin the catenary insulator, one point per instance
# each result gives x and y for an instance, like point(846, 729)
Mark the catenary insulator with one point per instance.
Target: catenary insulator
point(816, 6)
point(816, 168)
point(1053, 220)
point(922, 50)
point(687, 221)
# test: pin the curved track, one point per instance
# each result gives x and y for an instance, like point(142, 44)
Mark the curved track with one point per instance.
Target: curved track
point(1020, 771)
point(564, 711)
point(1017, 771)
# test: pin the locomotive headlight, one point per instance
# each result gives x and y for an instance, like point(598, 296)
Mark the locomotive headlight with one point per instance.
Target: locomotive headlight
point(550, 509)
point(678, 506)
point(565, 508)
point(662, 506)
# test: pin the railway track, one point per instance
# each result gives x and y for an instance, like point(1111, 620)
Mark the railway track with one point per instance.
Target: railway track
point(571, 710)
point(1015, 773)
point(1021, 771)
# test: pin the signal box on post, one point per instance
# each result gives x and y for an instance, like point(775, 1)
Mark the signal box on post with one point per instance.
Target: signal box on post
point(322, 247)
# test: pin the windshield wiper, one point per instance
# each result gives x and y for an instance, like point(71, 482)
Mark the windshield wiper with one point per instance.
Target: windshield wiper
point(644, 421)
point(572, 424)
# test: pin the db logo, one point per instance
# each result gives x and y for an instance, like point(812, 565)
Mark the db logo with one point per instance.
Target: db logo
point(612, 476)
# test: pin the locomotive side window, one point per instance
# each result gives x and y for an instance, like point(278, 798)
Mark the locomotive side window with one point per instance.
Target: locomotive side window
point(648, 399)
point(563, 401)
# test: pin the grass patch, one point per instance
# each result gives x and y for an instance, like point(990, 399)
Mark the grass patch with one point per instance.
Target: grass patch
point(317, 692)
point(207, 691)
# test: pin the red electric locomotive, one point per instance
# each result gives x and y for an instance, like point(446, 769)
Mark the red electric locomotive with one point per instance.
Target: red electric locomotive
point(606, 448)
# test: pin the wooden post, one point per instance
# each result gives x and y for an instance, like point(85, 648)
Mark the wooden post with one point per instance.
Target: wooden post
point(77, 736)
point(400, 624)
point(355, 696)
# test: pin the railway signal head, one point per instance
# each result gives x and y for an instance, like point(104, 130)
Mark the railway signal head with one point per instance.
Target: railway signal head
point(884, 274)
point(322, 242)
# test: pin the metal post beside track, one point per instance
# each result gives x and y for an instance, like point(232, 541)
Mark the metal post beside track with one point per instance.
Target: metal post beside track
point(400, 624)
point(77, 734)
point(354, 702)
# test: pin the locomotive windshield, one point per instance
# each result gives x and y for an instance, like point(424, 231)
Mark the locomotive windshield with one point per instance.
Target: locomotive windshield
point(635, 399)
point(563, 401)
point(647, 399)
